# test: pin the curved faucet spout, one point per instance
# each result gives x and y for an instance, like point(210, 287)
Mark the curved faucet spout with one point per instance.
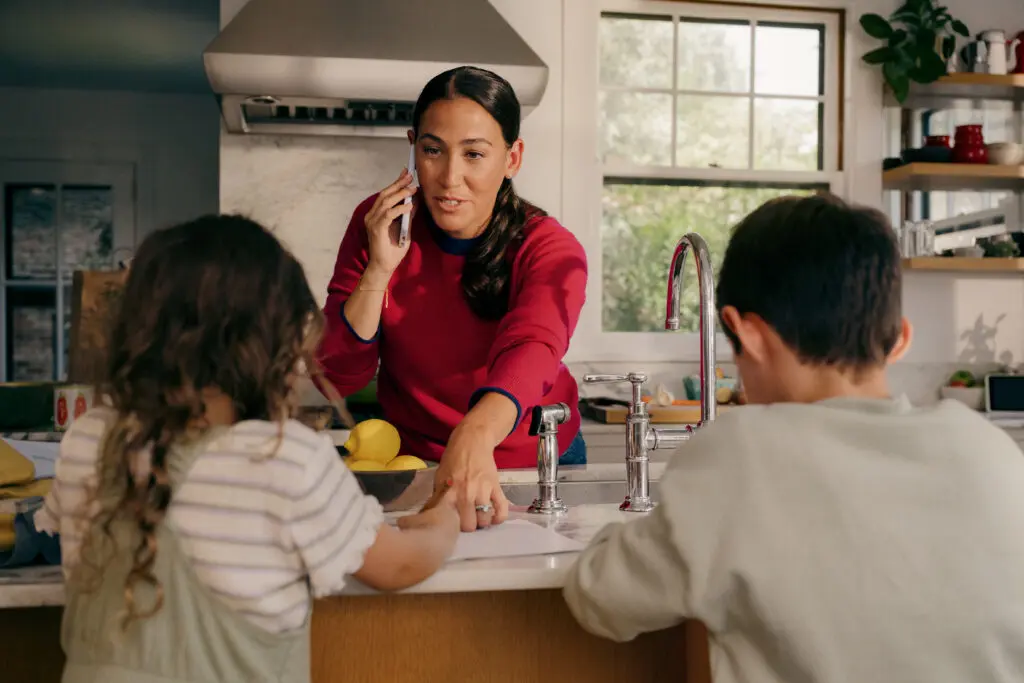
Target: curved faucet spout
point(706, 280)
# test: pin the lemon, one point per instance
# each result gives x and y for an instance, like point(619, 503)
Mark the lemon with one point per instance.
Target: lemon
point(366, 466)
point(375, 440)
point(406, 462)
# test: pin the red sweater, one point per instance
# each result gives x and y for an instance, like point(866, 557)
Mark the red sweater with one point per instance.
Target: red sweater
point(437, 357)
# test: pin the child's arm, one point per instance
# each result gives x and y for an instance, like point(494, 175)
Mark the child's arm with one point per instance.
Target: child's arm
point(629, 580)
point(675, 563)
point(339, 531)
point(400, 558)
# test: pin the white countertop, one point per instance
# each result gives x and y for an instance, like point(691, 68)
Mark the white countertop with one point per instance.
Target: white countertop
point(43, 586)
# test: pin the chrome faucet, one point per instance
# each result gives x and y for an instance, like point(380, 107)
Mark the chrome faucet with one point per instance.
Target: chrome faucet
point(641, 438)
point(706, 282)
point(544, 425)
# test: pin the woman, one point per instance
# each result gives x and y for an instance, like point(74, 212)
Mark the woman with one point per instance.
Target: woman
point(471, 317)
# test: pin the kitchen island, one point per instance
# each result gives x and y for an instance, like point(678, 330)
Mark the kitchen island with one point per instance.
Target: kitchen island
point(500, 620)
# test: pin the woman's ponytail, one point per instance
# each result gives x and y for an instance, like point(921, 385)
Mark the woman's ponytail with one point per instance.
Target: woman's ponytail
point(487, 272)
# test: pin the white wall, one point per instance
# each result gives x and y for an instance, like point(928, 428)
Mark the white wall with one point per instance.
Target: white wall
point(172, 140)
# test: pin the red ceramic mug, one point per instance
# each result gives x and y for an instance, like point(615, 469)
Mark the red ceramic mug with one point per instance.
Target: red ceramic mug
point(936, 141)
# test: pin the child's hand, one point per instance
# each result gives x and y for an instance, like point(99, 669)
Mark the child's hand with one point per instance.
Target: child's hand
point(440, 511)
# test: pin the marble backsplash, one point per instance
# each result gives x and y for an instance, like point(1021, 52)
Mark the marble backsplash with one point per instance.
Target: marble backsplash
point(307, 195)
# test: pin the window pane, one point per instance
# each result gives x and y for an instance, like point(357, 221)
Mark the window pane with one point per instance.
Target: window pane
point(788, 60)
point(636, 127)
point(787, 134)
point(31, 238)
point(713, 131)
point(640, 227)
point(30, 340)
point(636, 52)
point(87, 234)
point(714, 56)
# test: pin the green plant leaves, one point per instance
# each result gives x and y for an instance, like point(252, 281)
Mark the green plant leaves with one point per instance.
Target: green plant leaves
point(898, 80)
point(876, 26)
point(920, 38)
point(880, 56)
point(948, 47)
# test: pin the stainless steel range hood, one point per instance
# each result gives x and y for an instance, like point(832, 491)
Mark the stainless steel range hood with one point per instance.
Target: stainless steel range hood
point(355, 67)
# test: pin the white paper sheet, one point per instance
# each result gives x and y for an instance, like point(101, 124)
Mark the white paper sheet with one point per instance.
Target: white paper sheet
point(514, 538)
point(43, 455)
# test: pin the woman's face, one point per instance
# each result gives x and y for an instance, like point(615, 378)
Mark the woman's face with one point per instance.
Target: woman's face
point(461, 160)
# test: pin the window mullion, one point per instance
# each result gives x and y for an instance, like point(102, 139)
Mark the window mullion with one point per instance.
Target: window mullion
point(750, 103)
point(674, 85)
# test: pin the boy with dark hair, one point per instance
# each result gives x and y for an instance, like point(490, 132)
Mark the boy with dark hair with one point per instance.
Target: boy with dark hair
point(831, 532)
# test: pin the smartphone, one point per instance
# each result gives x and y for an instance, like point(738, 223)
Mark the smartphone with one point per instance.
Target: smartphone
point(403, 231)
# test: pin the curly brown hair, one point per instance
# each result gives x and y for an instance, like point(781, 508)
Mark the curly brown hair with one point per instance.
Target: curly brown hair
point(215, 303)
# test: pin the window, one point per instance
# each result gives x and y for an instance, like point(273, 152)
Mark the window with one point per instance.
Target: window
point(704, 111)
point(57, 218)
point(702, 119)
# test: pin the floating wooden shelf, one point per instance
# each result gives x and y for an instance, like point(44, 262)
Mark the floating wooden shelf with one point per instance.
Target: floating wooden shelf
point(954, 177)
point(964, 264)
point(963, 86)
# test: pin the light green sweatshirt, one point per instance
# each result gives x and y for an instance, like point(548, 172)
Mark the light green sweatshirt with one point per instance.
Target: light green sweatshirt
point(850, 540)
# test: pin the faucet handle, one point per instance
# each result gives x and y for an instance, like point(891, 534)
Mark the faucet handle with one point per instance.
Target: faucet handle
point(637, 379)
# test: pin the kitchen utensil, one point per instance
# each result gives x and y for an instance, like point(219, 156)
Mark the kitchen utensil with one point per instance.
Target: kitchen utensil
point(1018, 62)
point(70, 402)
point(975, 56)
point(1005, 153)
point(398, 490)
point(403, 231)
point(969, 147)
point(997, 50)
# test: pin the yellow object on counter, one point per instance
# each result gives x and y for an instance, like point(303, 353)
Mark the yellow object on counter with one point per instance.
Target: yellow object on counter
point(375, 440)
point(366, 466)
point(15, 468)
point(39, 487)
point(6, 532)
point(406, 462)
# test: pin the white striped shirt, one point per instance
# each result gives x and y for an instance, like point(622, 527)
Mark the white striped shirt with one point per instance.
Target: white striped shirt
point(264, 534)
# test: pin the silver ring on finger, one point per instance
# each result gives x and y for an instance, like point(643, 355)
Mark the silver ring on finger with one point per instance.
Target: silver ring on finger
point(486, 507)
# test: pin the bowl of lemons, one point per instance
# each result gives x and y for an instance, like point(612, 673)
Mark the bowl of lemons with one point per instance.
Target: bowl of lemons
point(398, 481)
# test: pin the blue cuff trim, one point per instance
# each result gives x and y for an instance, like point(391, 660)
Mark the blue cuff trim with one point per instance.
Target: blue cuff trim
point(478, 394)
point(353, 331)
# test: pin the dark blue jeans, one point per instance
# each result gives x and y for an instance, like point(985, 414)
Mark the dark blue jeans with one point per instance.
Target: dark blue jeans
point(576, 453)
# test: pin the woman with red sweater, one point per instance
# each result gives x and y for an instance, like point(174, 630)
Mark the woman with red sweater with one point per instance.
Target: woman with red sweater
point(470, 318)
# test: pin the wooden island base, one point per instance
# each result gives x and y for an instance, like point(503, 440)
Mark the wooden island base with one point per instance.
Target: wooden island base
point(494, 637)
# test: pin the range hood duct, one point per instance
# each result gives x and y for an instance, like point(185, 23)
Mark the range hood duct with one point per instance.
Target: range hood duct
point(356, 67)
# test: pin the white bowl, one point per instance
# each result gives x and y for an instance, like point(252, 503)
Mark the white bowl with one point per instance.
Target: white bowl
point(1005, 153)
point(972, 397)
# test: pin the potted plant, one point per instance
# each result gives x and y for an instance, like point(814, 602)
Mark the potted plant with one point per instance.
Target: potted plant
point(920, 38)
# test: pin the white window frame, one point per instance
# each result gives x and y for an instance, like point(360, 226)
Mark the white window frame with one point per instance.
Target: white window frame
point(859, 180)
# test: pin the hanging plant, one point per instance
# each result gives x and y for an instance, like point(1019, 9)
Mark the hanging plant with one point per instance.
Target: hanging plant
point(920, 38)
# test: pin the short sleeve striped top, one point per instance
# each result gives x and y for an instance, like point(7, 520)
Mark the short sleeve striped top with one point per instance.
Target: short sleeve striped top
point(265, 534)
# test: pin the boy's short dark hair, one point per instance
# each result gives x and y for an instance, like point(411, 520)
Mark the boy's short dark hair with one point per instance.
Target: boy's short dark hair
point(825, 275)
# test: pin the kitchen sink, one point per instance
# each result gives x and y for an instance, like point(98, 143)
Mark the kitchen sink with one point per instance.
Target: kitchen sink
point(576, 492)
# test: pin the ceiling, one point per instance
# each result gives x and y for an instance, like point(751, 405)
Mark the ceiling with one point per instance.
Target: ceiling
point(139, 45)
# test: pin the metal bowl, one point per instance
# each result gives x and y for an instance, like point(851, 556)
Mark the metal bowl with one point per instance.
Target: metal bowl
point(399, 490)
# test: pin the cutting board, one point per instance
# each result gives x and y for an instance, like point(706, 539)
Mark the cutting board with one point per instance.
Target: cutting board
point(94, 299)
point(659, 414)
